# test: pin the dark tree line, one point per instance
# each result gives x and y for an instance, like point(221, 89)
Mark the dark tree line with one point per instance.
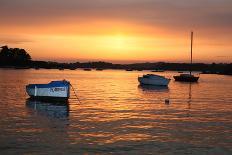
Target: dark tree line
point(205, 68)
point(14, 57)
point(20, 58)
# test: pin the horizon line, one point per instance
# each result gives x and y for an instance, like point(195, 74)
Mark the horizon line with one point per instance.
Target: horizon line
point(127, 62)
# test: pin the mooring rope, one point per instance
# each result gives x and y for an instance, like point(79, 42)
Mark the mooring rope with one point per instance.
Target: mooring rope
point(75, 93)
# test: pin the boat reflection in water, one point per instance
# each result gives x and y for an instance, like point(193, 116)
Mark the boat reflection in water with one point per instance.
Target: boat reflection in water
point(153, 88)
point(48, 108)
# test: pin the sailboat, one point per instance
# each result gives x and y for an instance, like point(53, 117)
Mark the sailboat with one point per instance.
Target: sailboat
point(188, 77)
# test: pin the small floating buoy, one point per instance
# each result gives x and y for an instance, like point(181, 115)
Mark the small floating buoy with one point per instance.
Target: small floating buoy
point(166, 101)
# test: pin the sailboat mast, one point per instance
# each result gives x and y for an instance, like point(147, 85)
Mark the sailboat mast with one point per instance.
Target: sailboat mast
point(191, 52)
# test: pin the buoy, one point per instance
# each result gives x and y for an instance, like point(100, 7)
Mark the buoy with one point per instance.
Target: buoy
point(166, 101)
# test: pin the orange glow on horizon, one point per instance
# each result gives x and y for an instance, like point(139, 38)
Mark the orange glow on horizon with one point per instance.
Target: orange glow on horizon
point(110, 41)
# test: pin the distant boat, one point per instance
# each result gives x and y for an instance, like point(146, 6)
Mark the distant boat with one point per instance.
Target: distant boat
point(55, 90)
point(157, 70)
point(99, 69)
point(210, 72)
point(188, 77)
point(87, 69)
point(152, 79)
point(129, 70)
point(139, 70)
point(72, 68)
point(61, 68)
point(22, 67)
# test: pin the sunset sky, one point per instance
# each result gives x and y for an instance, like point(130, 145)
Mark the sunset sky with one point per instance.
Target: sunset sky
point(118, 30)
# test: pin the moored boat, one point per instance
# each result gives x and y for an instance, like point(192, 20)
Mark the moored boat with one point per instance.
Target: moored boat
point(188, 77)
point(87, 69)
point(73, 68)
point(36, 68)
point(55, 90)
point(152, 79)
point(20, 67)
point(99, 69)
point(157, 70)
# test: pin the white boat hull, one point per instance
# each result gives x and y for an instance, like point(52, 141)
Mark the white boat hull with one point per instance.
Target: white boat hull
point(53, 90)
point(49, 92)
point(154, 81)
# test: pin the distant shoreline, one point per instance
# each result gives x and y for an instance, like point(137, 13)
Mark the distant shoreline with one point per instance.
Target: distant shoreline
point(220, 68)
point(18, 58)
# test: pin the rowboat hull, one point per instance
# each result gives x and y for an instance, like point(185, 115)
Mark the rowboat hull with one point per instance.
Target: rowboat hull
point(55, 90)
point(50, 98)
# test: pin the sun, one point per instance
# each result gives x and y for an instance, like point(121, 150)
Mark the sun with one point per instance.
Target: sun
point(119, 41)
point(116, 42)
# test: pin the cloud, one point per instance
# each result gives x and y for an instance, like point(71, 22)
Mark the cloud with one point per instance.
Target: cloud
point(210, 19)
point(7, 39)
point(167, 13)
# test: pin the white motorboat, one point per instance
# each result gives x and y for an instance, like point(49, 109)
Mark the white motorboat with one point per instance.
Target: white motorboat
point(55, 90)
point(152, 79)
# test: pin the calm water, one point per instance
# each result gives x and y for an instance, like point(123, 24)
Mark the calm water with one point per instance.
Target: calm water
point(116, 116)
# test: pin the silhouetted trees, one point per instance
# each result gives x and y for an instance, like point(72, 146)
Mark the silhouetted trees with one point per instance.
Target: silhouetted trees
point(14, 57)
point(228, 69)
point(20, 58)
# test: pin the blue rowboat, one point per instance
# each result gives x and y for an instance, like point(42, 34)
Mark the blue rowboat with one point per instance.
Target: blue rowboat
point(55, 90)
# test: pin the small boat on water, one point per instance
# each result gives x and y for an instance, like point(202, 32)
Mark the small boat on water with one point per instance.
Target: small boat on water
point(157, 70)
point(152, 79)
point(187, 77)
point(55, 90)
point(99, 69)
point(72, 68)
point(87, 69)
point(18, 67)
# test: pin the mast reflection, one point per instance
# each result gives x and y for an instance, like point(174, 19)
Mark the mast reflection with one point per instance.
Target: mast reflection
point(190, 95)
